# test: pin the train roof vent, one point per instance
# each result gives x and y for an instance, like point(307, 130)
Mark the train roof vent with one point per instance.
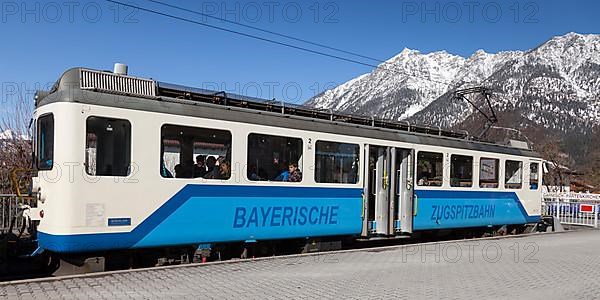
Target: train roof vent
point(518, 144)
point(114, 83)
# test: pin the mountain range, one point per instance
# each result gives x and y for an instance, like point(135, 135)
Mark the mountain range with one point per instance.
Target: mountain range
point(552, 90)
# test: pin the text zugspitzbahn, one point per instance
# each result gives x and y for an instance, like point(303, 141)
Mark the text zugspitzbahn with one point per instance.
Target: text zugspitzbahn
point(462, 212)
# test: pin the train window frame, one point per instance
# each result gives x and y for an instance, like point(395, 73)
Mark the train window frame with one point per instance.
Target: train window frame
point(39, 144)
point(461, 180)
point(489, 184)
point(420, 182)
point(225, 134)
point(127, 152)
point(537, 173)
point(257, 177)
point(513, 185)
point(356, 160)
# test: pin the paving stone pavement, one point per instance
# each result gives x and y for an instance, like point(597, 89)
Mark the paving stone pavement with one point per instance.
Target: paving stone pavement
point(549, 266)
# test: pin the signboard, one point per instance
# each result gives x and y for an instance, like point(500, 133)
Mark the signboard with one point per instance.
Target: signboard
point(587, 208)
point(574, 196)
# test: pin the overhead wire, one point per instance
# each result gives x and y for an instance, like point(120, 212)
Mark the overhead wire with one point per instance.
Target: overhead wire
point(287, 36)
point(183, 19)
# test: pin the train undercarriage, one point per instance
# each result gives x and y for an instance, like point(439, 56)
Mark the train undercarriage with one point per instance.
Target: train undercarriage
point(20, 257)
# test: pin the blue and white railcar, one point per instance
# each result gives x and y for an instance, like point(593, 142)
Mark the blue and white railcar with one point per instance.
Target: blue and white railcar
point(126, 163)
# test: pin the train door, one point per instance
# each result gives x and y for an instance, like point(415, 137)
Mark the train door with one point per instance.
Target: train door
point(403, 190)
point(387, 191)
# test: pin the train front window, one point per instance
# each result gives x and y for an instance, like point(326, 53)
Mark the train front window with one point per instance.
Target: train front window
point(190, 152)
point(107, 147)
point(45, 142)
point(534, 176)
point(274, 158)
point(461, 171)
point(514, 174)
point(336, 162)
point(489, 172)
point(430, 168)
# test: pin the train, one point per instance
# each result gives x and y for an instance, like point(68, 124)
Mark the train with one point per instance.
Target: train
point(134, 167)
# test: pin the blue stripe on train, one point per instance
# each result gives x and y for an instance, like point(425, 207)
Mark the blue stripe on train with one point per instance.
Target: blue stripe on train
point(221, 213)
point(437, 209)
point(210, 213)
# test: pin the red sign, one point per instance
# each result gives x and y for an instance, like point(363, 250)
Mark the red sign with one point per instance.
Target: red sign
point(587, 208)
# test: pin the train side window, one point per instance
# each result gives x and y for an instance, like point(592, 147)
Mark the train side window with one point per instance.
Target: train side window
point(430, 168)
point(45, 142)
point(274, 158)
point(534, 176)
point(190, 152)
point(461, 171)
point(107, 147)
point(489, 170)
point(513, 178)
point(336, 162)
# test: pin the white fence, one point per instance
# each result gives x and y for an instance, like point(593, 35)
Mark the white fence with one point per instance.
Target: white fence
point(9, 209)
point(572, 208)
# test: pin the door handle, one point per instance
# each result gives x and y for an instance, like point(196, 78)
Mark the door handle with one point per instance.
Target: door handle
point(364, 200)
point(398, 179)
point(385, 180)
point(416, 207)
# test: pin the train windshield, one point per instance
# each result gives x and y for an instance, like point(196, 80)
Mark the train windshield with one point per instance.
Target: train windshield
point(45, 142)
point(107, 147)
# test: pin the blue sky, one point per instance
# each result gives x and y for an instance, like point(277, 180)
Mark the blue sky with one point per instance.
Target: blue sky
point(42, 39)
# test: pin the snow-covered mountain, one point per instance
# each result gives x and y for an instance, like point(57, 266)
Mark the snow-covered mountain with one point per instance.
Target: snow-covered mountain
point(9, 134)
point(555, 86)
point(6, 134)
point(398, 88)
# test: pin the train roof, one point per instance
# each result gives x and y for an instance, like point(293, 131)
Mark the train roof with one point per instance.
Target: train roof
point(106, 88)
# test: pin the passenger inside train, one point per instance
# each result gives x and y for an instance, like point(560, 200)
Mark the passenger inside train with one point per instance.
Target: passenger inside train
point(200, 166)
point(295, 175)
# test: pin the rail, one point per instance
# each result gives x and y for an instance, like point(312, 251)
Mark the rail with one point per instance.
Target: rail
point(572, 208)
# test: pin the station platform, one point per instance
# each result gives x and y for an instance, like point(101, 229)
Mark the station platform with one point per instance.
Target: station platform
point(542, 266)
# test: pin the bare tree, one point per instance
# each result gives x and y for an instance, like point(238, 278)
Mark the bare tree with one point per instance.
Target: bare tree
point(15, 143)
point(560, 163)
point(591, 163)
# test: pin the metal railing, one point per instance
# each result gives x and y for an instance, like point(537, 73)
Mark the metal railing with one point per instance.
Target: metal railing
point(10, 211)
point(572, 208)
